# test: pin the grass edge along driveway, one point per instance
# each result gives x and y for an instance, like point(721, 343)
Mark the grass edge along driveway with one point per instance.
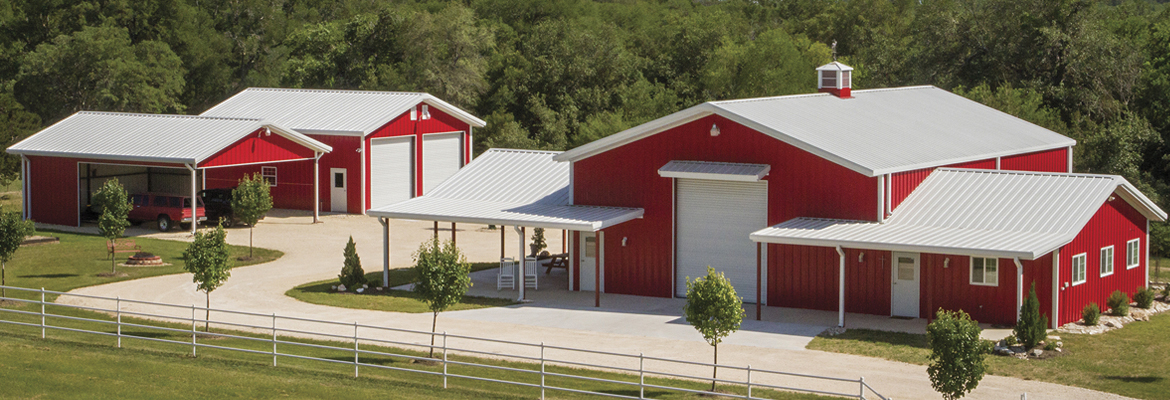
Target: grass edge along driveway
point(1130, 361)
point(321, 292)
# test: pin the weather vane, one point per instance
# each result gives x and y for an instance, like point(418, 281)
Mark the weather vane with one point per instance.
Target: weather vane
point(834, 50)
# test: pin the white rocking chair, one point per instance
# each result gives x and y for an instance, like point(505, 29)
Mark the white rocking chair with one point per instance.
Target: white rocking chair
point(530, 275)
point(507, 274)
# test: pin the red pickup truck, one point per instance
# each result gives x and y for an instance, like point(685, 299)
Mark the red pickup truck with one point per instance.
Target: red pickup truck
point(164, 208)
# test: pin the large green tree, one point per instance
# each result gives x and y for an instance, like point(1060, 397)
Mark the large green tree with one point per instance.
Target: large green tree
point(13, 230)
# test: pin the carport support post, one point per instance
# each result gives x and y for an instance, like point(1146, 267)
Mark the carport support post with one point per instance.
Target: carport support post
point(758, 285)
point(194, 198)
point(385, 251)
point(317, 187)
point(452, 233)
point(597, 270)
point(1019, 287)
point(841, 290)
point(523, 280)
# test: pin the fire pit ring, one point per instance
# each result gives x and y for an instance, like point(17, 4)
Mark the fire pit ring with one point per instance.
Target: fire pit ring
point(144, 259)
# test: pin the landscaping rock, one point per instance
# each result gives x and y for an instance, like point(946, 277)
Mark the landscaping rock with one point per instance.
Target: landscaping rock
point(365, 286)
point(834, 331)
point(1053, 337)
point(1037, 352)
point(1059, 345)
point(1110, 323)
point(340, 288)
point(379, 288)
point(359, 290)
point(1004, 351)
point(1059, 350)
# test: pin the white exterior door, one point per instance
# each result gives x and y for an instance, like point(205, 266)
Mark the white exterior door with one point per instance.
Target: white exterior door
point(904, 294)
point(391, 170)
point(712, 222)
point(337, 190)
point(442, 157)
point(588, 261)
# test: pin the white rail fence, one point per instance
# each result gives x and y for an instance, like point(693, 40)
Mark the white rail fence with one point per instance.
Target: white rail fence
point(475, 351)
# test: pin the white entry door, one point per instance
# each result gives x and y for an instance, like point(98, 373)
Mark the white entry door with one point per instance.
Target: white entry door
point(904, 294)
point(588, 262)
point(713, 221)
point(337, 190)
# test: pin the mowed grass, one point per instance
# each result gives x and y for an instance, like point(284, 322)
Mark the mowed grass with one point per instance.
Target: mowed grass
point(1129, 361)
point(321, 292)
point(78, 260)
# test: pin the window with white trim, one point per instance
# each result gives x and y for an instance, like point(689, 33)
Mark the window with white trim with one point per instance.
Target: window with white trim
point(1133, 250)
point(984, 271)
point(1078, 269)
point(1107, 261)
point(269, 175)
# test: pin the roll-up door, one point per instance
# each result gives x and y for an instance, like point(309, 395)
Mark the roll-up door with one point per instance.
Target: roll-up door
point(714, 219)
point(442, 157)
point(391, 170)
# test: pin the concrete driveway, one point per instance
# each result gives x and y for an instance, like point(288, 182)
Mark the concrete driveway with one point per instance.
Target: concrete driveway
point(314, 252)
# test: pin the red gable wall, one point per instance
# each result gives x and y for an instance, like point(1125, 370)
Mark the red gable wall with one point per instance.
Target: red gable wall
point(1115, 223)
point(903, 183)
point(259, 147)
point(440, 122)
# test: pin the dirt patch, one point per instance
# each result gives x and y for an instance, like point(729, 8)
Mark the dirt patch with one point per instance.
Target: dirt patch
point(113, 274)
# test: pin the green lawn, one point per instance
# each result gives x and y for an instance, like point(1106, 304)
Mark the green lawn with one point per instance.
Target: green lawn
point(321, 292)
point(1130, 361)
point(78, 259)
point(10, 196)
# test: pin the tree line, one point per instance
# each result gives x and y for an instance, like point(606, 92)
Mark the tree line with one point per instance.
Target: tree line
point(554, 75)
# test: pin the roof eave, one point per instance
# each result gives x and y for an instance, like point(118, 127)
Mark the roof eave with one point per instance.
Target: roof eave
point(110, 157)
point(572, 226)
point(1004, 253)
point(913, 167)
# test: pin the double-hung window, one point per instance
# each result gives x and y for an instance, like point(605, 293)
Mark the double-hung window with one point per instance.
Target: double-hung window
point(1078, 269)
point(269, 175)
point(984, 271)
point(1107, 261)
point(1133, 250)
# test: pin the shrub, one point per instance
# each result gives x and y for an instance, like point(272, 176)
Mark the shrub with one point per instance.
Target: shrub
point(443, 278)
point(714, 309)
point(1032, 327)
point(1144, 297)
point(1166, 293)
point(1009, 341)
point(1050, 346)
point(1118, 303)
point(957, 354)
point(1091, 314)
point(352, 275)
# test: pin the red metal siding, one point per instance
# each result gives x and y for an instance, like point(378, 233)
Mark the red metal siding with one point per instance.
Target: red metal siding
point(344, 155)
point(1115, 223)
point(1039, 272)
point(53, 190)
point(259, 147)
point(950, 288)
point(294, 182)
point(903, 183)
point(800, 184)
point(1041, 161)
point(807, 277)
point(402, 126)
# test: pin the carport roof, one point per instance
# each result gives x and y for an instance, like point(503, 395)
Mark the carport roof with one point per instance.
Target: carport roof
point(509, 187)
point(160, 138)
point(976, 212)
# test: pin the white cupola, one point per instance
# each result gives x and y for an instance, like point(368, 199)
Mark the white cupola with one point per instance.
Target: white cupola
point(835, 78)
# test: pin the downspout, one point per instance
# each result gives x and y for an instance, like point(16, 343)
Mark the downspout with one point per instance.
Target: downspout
point(1019, 287)
point(194, 199)
point(24, 185)
point(881, 199)
point(385, 251)
point(1055, 317)
point(841, 290)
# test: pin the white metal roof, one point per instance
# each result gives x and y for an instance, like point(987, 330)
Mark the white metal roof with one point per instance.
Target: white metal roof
point(714, 171)
point(509, 187)
point(834, 66)
point(977, 212)
point(147, 137)
point(875, 132)
point(330, 111)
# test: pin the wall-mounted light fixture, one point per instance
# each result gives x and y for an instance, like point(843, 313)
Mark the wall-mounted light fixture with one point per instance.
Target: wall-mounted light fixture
point(1111, 198)
point(861, 257)
point(624, 241)
point(267, 132)
point(714, 130)
point(359, 149)
point(426, 112)
point(947, 262)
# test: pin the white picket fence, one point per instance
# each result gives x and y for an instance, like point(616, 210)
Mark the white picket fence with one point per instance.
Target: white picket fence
point(534, 353)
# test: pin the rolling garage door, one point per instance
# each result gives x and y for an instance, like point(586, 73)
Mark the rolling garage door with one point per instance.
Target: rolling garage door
point(714, 219)
point(391, 170)
point(442, 157)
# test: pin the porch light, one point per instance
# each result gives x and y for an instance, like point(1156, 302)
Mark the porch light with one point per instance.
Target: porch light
point(861, 257)
point(267, 132)
point(714, 130)
point(947, 262)
point(426, 112)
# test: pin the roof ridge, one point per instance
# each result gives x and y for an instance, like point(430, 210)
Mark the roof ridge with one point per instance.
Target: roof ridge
point(1015, 172)
point(806, 95)
point(177, 116)
point(501, 150)
point(345, 91)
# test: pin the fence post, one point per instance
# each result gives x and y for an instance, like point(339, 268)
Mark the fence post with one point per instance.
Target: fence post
point(641, 376)
point(861, 382)
point(444, 359)
point(193, 354)
point(355, 349)
point(749, 380)
point(541, 370)
point(273, 339)
point(42, 313)
point(118, 307)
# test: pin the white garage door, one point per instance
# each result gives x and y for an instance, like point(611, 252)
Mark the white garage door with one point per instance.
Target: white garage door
point(442, 157)
point(714, 219)
point(391, 170)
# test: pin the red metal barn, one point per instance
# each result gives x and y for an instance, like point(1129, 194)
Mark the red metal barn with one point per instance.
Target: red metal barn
point(388, 146)
point(64, 164)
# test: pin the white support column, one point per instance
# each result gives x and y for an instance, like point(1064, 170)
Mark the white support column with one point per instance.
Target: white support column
point(194, 198)
point(841, 290)
point(520, 258)
point(24, 187)
point(385, 252)
point(1146, 261)
point(1070, 163)
point(1019, 287)
point(1055, 317)
point(881, 199)
point(317, 187)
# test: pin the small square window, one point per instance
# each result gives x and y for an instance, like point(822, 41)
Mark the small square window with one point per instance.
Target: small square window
point(339, 180)
point(1078, 269)
point(591, 246)
point(829, 79)
point(269, 175)
point(984, 271)
point(1107, 261)
point(1133, 249)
